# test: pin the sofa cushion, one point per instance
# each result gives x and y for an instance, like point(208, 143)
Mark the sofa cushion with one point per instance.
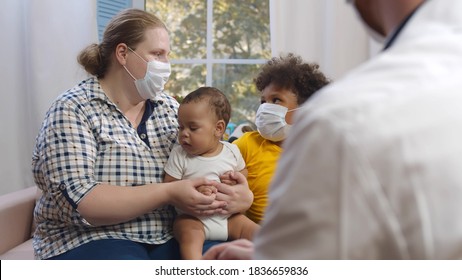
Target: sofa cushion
point(16, 215)
point(23, 251)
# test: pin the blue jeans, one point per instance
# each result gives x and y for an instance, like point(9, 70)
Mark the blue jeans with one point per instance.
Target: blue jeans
point(115, 249)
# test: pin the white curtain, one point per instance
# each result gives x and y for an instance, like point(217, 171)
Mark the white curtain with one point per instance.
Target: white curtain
point(40, 43)
point(327, 32)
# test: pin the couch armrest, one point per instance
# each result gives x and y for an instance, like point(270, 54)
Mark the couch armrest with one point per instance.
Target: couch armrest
point(16, 216)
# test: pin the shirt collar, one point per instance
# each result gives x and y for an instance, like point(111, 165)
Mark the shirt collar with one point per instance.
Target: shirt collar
point(95, 90)
point(400, 27)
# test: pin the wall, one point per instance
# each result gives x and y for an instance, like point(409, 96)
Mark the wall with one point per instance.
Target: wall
point(327, 32)
point(40, 42)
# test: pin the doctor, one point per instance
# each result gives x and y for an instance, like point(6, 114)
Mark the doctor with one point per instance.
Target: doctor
point(372, 166)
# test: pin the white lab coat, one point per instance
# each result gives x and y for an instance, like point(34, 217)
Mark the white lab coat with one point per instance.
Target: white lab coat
point(372, 168)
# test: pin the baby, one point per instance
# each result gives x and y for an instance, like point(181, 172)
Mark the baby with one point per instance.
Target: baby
point(203, 116)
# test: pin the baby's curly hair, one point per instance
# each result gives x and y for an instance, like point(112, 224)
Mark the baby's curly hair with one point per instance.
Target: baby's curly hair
point(217, 100)
point(290, 72)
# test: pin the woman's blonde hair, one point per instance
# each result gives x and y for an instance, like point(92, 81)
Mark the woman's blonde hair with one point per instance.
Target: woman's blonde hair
point(127, 27)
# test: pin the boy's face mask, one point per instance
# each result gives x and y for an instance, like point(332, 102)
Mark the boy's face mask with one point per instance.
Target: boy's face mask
point(157, 74)
point(271, 121)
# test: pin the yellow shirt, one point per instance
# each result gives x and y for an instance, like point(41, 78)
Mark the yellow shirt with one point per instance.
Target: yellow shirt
point(260, 156)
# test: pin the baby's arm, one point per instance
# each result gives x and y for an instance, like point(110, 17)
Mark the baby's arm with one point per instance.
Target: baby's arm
point(168, 178)
point(207, 190)
point(225, 178)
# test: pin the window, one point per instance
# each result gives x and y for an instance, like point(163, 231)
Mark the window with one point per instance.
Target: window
point(217, 43)
point(106, 9)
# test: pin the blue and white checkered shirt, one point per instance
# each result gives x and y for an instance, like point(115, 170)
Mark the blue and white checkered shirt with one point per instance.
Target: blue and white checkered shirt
point(85, 140)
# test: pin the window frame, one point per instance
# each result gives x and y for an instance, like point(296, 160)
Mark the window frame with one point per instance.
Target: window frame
point(106, 9)
point(209, 60)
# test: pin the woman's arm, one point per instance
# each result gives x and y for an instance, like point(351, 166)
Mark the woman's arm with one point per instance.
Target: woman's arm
point(106, 204)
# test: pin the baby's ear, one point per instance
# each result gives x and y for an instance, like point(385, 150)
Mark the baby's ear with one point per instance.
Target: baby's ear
point(220, 128)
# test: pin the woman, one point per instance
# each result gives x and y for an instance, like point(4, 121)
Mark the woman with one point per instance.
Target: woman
point(100, 155)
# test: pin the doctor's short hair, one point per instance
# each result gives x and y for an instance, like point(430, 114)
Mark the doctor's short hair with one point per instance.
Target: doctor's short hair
point(292, 73)
point(216, 99)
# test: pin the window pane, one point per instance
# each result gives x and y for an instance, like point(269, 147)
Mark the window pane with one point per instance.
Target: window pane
point(187, 22)
point(185, 78)
point(236, 82)
point(241, 29)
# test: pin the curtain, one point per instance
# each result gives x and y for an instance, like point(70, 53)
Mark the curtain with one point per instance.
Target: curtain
point(327, 32)
point(40, 43)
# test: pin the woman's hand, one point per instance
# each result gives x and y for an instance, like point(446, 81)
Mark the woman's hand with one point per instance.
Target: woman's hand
point(238, 198)
point(241, 249)
point(185, 196)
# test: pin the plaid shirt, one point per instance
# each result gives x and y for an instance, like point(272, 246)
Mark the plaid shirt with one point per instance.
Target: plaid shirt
point(84, 140)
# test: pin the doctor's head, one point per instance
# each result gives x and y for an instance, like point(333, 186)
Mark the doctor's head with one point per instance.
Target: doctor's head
point(382, 17)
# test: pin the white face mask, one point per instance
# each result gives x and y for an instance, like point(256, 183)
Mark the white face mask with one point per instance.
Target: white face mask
point(157, 74)
point(271, 121)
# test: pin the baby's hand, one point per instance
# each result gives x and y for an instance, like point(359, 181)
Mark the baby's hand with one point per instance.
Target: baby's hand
point(207, 189)
point(225, 178)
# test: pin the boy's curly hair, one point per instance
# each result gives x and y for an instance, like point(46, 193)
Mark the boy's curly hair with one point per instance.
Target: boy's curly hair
point(291, 73)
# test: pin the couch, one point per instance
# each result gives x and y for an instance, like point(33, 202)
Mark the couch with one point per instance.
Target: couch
point(16, 224)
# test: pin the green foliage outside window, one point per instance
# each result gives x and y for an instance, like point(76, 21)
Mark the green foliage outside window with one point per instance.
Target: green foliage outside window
point(240, 31)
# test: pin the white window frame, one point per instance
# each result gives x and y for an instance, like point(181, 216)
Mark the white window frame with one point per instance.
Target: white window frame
point(209, 61)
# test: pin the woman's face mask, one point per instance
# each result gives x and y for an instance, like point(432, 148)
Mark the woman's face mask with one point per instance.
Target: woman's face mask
point(271, 121)
point(157, 74)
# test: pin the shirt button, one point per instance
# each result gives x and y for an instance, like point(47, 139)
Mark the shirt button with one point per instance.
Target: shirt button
point(143, 136)
point(62, 187)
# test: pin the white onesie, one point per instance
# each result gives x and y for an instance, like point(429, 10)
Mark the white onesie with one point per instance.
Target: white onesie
point(180, 165)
